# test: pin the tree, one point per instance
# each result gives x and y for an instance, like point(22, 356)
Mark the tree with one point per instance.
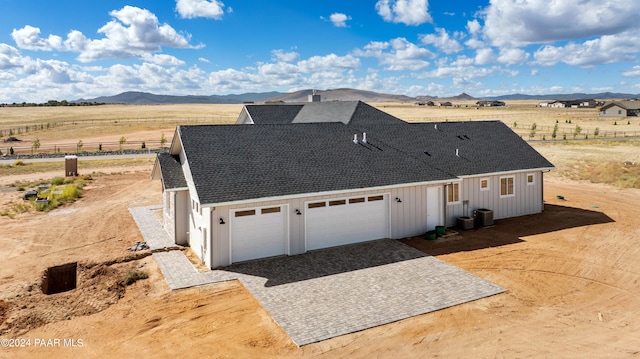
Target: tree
point(79, 146)
point(596, 132)
point(122, 141)
point(577, 131)
point(36, 145)
point(163, 140)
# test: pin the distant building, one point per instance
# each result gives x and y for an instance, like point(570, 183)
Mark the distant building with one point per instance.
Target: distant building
point(621, 108)
point(587, 103)
point(487, 103)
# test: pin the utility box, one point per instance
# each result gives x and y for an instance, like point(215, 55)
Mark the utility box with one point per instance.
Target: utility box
point(71, 166)
point(484, 217)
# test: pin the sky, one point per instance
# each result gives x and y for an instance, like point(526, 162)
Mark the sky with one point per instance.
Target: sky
point(70, 49)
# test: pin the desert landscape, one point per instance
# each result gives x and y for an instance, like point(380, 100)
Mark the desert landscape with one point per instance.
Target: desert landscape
point(571, 274)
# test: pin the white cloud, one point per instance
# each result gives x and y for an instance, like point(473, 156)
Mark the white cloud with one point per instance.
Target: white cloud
point(397, 54)
point(133, 33)
point(485, 56)
point(339, 19)
point(163, 59)
point(329, 62)
point(512, 56)
point(189, 9)
point(280, 55)
point(408, 12)
point(203, 59)
point(10, 57)
point(633, 72)
point(442, 41)
point(603, 50)
point(522, 22)
point(29, 38)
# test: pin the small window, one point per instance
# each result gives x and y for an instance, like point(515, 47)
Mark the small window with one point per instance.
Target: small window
point(506, 187)
point(484, 184)
point(338, 202)
point(250, 212)
point(453, 193)
point(530, 179)
point(375, 198)
point(270, 210)
point(316, 205)
point(356, 200)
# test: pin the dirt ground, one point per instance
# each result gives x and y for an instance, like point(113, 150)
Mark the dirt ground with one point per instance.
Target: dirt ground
point(571, 274)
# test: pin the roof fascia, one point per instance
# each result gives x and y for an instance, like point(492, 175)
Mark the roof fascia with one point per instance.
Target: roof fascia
point(330, 193)
point(502, 173)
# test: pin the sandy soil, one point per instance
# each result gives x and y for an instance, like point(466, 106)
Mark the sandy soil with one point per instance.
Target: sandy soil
point(571, 274)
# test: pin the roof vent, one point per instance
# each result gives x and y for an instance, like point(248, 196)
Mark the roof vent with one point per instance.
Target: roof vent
point(355, 138)
point(364, 137)
point(435, 126)
point(457, 153)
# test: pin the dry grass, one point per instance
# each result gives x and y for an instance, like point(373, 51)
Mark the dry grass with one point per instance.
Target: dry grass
point(86, 166)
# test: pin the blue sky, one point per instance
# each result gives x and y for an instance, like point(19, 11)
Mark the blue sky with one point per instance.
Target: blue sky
point(79, 49)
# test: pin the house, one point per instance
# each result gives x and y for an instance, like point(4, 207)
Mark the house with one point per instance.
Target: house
point(291, 178)
point(488, 103)
point(621, 108)
point(586, 103)
point(445, 104)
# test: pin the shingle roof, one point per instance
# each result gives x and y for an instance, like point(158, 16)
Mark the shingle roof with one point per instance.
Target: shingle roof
point(234, 162)
point(273, 114)
point(241, 162)
point(172, 174)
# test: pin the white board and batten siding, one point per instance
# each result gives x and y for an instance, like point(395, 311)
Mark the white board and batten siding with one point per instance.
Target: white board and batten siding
point(526, 199)
point(408, 217)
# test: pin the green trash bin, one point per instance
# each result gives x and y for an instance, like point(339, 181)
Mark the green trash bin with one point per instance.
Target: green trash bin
point(441, 230)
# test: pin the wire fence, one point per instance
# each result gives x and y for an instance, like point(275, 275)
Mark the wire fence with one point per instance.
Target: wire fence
point(14, 148)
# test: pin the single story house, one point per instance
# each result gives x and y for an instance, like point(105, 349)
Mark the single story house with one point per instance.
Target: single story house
point(291, 178)
point(621, 108)
point(490, 103)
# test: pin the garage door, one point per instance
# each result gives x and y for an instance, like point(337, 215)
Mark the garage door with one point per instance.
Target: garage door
point(258, 233)
point(345, 221)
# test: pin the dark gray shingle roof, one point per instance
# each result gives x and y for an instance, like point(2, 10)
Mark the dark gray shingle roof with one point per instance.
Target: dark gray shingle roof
point(172, 174)
point(233, 162)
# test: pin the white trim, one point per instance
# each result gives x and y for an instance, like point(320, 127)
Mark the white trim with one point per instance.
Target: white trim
point(504, 173)
point(447, 193)
point(177, 189)
point(513, 178)
point(488, 180)
point(533, 179)
point(343, 193)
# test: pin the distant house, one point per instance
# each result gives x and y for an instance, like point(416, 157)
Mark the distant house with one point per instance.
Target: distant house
point(291, 178)
point(586, 103)
point(621, 108)
point(445, 104)
point(487, 103)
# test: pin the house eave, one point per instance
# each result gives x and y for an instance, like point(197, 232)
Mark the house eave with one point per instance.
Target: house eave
point(330, 193)
point(502, 173)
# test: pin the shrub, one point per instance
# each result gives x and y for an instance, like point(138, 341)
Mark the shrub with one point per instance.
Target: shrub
point(19, 163)
point(134, 276)
point(57, 181)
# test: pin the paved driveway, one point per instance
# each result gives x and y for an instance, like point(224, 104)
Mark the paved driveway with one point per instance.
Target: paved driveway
point(328, 293)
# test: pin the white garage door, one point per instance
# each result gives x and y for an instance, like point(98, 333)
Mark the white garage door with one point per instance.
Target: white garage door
point(345, 221)
point(258, 233)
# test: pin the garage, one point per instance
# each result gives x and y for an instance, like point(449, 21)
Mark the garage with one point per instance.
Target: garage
point(258, 233)
point(343, 221)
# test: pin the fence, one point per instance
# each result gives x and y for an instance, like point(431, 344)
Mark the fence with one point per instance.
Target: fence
point(7, 147)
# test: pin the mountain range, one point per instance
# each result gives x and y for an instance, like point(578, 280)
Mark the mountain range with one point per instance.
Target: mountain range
point(342, 94)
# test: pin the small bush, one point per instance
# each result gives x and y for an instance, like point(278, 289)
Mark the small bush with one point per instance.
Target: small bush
point(134, 276)
point(19, 163)
point(57, 181)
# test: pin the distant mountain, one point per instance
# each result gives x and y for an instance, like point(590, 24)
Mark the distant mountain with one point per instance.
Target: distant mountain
point(144, 98)
point(571, 96)
point(343, 94)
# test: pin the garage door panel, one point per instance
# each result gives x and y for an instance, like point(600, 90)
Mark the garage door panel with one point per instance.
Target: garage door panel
point(257, 235)
point(357, 220)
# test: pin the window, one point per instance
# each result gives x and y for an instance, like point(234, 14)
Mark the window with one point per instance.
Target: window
point(270, 210)
point(250, 212)
point(484, 184)
point(453, 193)
point(530, 179)
point(316, 205)
point(506, 187)
point(337, 203)
point(375, 198)
point(356, 200)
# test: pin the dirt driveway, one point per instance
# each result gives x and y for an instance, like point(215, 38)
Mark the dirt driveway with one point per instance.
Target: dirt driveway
point(571, 274)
